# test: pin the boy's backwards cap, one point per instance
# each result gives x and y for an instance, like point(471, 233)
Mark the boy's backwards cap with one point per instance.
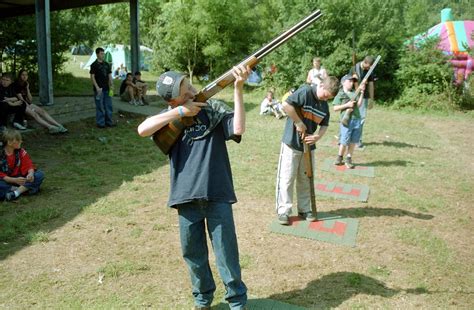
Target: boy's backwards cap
point(168, 84)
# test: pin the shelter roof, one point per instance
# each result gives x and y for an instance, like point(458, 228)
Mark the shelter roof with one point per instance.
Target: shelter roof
point(10, 8)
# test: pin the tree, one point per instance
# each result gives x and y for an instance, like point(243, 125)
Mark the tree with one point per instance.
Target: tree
point(202, 36)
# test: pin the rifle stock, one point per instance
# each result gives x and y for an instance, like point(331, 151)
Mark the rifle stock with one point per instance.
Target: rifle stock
point(308, 167)
point(347, 114)
point(167, 136)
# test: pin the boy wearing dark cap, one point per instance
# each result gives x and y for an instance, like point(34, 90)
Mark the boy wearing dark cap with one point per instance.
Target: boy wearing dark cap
point(201, 182)
point(348, 135)
point(301, 128)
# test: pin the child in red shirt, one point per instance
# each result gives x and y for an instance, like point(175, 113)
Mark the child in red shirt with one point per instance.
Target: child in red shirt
point(17, 172)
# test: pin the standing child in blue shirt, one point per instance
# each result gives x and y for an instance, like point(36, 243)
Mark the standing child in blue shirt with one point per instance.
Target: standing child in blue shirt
point(202, 189)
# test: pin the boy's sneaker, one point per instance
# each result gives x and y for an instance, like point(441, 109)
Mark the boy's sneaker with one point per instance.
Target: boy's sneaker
point(10, 196)
point(19, 126)
point(338, 161)
point(62, 129)
point(54, 130)
point(132, 102)
point(309, 216)
point(349, 163)
point(140, 102)
point(284, 219)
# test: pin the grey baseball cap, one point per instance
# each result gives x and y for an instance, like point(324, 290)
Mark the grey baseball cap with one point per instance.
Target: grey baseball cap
point(168, 84)
point(347, 77)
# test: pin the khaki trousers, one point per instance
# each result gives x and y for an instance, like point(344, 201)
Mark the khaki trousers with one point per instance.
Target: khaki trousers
point(290, 169)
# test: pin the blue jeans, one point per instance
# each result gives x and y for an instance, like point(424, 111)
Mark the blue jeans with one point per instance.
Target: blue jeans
point(219, 219)
point(351, 133)
point(103, 108)
point(363, 114)
point(33, 187)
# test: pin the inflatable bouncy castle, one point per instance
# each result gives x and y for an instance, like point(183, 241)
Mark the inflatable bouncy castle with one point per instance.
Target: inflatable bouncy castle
point(455, 39)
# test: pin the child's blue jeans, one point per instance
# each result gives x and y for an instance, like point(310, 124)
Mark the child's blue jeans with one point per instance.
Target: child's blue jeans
point(194, 218)
point(33, 187)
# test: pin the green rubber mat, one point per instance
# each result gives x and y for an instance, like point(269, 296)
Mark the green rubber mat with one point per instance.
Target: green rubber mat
point(365, 171)
point(338, 190)
point(328, 228)
point(262, 304)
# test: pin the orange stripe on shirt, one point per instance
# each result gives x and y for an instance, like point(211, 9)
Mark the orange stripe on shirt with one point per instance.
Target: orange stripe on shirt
point(311, 116)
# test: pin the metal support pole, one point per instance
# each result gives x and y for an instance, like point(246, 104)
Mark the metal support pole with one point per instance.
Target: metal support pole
point(43, 38)
point(134, 36)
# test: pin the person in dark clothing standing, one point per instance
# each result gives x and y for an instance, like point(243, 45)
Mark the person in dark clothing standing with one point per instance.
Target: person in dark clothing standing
point(359, 71)
point(101, 76)
point(10, 104)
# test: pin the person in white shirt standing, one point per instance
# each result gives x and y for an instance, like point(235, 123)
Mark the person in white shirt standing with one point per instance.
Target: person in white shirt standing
point(317, 73)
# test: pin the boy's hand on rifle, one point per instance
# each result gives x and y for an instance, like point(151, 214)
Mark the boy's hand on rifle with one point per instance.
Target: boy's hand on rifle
point(240, 74)
point(350, 104)
point(311, 139)
point(301, 128)
point(192, 108)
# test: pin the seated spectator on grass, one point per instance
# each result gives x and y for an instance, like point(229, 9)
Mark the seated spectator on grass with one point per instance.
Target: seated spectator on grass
point(122, 72)
point(137, 80)
point(130, 92)
point(116, 73)
point(22, 91)
point(271, 106)
point(10, 104)
point(17, 172)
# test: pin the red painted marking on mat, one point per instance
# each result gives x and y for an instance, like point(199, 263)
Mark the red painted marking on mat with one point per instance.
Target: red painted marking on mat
point(295, 220)
point(338, 190)
point(344, 168)
point(339, 228)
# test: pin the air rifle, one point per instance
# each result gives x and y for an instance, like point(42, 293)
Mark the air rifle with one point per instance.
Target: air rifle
point(308, 167)
point(166, 137)
point(347, 114)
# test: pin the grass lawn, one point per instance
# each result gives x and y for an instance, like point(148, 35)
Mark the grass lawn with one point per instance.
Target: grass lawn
point(99, 235)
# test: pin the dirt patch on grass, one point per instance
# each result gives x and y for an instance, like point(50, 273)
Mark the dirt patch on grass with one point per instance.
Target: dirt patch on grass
point(115, 244)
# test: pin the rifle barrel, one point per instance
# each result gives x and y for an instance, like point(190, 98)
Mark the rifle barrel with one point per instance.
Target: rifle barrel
point(367, 75)
point(269, 47)
point(282, 38)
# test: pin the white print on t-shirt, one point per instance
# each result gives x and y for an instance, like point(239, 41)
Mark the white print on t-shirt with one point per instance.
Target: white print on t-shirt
point(196, 128)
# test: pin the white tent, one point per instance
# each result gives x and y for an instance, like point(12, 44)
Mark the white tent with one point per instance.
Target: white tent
point(120, 56)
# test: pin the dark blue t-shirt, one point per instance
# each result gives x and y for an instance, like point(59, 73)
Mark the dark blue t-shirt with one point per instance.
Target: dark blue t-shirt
point(101, 71)
point(360, 72)
point(200, 168)
point(314, 111)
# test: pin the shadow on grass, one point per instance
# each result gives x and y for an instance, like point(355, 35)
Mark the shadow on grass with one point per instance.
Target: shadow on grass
point(250, 106)
point(398, 145)
point(374, 212)
point(388, 163)
point(333, 289)
point(329, 292)
point(82, 168)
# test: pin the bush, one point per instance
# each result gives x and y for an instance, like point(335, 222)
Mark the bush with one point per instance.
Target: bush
point(426, 79)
